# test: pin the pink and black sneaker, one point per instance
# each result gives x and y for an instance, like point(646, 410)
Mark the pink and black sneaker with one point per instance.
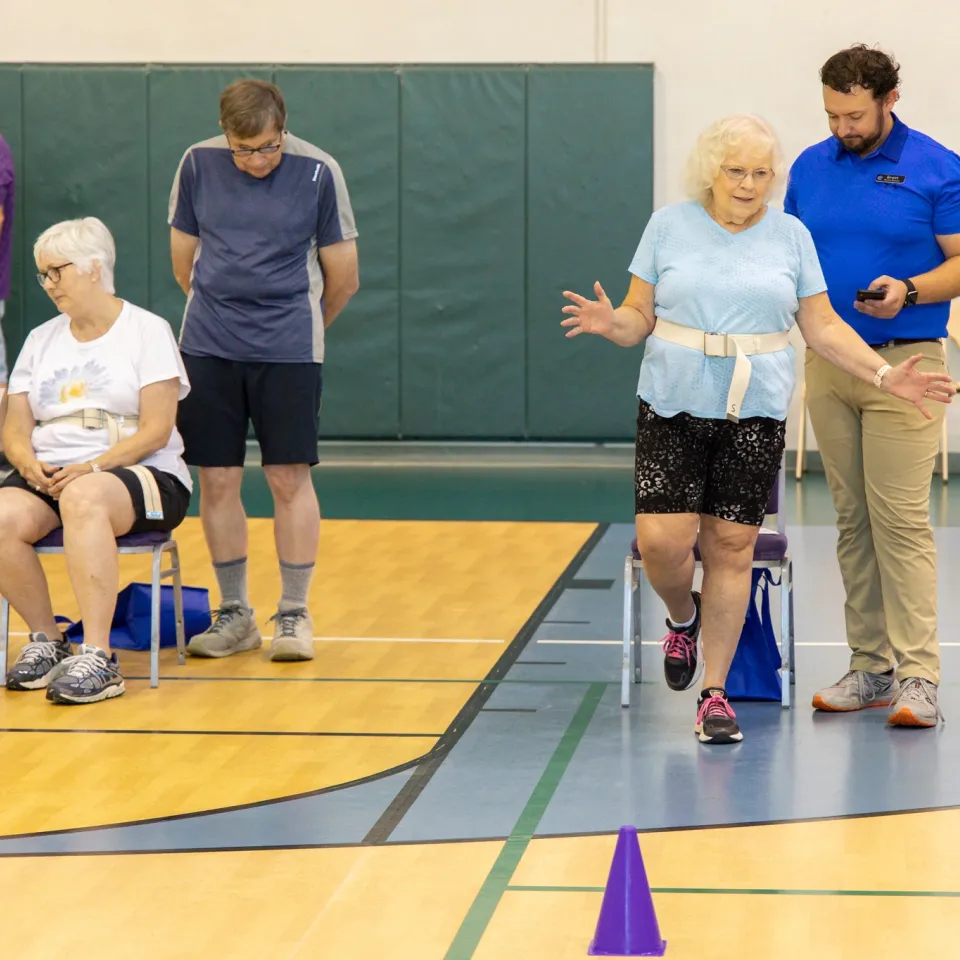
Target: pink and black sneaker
point(682, 660)
point(716, 721)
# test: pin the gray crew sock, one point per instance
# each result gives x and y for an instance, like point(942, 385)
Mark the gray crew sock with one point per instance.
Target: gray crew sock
point(232, 580)
point(295, 578)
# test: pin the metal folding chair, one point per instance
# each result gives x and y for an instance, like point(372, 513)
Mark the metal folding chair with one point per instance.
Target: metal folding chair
point(771, 552)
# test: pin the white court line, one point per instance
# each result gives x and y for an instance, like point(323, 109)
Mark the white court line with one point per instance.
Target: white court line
point(657, 643)
point(402, 640)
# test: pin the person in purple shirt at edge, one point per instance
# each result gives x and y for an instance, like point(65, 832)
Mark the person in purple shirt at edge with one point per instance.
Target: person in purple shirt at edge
point(7, 190)
point(263, 243)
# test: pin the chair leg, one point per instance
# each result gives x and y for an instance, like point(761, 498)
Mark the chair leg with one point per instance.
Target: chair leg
point(626, 664)
point(636, 622)
point(4, 635)
point(178, 605)
point(792, 634)
point(155, 619)
point(786, 646)
point(802, 434)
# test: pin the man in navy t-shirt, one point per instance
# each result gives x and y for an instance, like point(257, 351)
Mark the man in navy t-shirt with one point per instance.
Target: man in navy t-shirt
point(882, 202)
point(263, 244)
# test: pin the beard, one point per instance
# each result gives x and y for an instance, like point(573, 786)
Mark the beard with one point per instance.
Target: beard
point(862, 145)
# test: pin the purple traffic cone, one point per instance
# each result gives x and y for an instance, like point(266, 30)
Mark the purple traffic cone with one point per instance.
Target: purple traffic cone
point(627, 926)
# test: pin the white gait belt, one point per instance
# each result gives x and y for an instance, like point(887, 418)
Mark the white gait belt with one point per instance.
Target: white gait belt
point(95, 419)
point(739, 345)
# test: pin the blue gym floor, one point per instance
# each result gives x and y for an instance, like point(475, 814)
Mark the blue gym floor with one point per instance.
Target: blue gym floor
point(640, 765)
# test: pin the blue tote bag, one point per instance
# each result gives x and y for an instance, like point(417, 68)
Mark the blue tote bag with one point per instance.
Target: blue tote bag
point(755, 671)
point(130, 629)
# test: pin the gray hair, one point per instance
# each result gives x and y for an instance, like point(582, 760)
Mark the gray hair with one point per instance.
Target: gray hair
point(83, 243)
point(715, 144)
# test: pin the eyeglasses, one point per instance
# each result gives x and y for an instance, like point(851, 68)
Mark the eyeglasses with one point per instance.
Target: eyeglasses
point(266, 149)
point(761, 175)
point(52, 274)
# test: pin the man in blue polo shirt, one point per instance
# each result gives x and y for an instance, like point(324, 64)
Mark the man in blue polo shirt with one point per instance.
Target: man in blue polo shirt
point(882, 202)
point(263, 244)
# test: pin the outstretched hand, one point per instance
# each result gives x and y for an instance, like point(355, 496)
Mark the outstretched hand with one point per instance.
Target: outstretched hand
point(589, 316)
point(908, 383)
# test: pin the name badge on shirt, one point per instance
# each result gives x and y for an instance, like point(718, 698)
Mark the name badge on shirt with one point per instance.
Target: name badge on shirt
point(890, 178)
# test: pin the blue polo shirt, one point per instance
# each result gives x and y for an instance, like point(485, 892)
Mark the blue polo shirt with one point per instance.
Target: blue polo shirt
point(879, 215)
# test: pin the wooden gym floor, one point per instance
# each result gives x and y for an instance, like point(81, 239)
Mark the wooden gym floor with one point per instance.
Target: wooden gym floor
point(446, 778)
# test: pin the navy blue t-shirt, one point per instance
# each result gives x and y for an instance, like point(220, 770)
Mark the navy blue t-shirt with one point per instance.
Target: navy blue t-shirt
point(257, 283)
point(879, 215)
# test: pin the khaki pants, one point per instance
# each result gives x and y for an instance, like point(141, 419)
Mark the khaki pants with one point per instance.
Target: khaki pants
point(878, 454)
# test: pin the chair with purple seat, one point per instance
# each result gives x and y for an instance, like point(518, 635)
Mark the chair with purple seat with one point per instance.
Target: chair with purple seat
point(772, 552)
point(156, 543)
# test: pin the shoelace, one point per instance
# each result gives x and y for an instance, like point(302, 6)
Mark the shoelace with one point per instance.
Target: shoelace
point(38, 650)
point(288, 621)
point(865, 692)
point(715, 706)
point(84, 664)
point(917, 690)
point(223, 618)
point(679, 646)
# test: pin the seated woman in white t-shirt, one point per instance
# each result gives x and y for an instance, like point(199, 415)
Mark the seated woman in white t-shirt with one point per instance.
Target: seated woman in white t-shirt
point(90, 431)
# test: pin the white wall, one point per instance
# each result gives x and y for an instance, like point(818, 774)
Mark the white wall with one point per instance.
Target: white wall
point(711, 56)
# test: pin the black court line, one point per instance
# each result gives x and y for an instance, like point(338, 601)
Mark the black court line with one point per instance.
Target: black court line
point(172, 678)
point(577, 623)
point(252, 848)
point(225, 733)
point(417, 763)
point(590, 584)
point(390, 819)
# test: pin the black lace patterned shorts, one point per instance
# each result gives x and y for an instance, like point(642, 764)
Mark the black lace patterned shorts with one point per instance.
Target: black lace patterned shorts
point(687, 464)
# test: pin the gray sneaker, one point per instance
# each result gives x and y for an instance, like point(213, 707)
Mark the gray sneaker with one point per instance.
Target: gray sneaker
point(915, 705)
point(233, 631)
point(293, 635)
point(857, 690)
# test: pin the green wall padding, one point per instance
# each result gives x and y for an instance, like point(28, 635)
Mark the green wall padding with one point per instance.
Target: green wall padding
point(461, 252)
point(480, 194)
point(354, 115)
point(85, 154)
point(590, 196)
point(11, 126)
point(183, 108)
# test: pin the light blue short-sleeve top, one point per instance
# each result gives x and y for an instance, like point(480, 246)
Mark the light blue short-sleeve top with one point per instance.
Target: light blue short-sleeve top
point(722, 282)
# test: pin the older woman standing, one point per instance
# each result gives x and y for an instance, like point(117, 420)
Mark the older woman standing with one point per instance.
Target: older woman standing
point(717, 284)
point(90, 431)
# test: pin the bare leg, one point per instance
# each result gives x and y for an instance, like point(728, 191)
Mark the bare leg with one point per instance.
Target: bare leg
point(666, 545)
point(727, 552)
point(96, 509)
point(24, 519)
point(221, 513)
point(296, 524)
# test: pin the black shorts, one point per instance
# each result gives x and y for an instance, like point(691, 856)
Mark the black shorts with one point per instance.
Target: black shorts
point(281, 399)
point(687, 464)
point(174, 498)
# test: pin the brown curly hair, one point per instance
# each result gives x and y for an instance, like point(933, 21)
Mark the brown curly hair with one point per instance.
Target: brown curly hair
point(861, 66)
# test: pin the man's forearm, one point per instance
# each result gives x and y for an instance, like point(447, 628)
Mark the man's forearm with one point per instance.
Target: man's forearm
point(335, 299)
point(940, 284)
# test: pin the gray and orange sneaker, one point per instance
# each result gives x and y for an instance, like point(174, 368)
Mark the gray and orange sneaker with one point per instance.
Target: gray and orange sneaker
point(857, 690)
point(682, 656)
point(915, 704)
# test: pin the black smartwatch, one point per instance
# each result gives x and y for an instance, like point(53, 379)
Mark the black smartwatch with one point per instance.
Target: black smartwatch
point(911, 297)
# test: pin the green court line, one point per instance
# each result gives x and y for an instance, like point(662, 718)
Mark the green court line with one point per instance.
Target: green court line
point(753, 893)
point(498, 879)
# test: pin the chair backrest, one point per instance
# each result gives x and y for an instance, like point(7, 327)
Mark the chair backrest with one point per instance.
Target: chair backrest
point(778, 496)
